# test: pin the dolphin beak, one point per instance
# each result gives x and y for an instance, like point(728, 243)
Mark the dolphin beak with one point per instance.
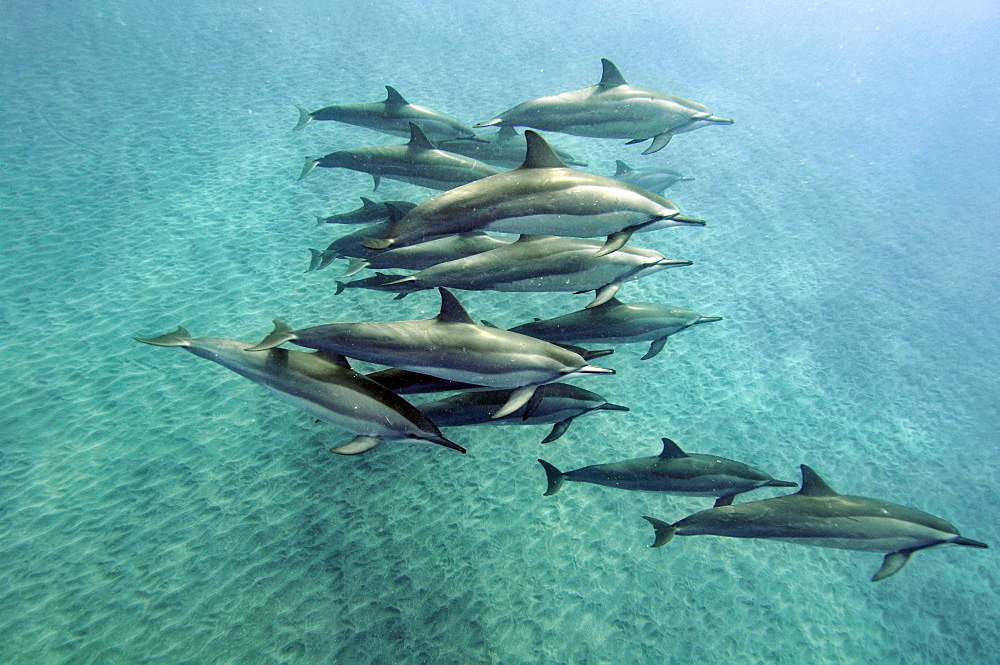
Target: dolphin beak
point(707, 319)
point(673, 263)
point(687, 220)
point(719, 121)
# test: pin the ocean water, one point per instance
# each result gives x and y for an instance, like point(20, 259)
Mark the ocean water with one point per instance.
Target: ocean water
point(157, 508)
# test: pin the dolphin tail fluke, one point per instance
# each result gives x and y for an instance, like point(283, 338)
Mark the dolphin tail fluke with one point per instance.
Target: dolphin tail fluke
point(517, 399)
point(358, 445)
point(660, 141)
point(340, 288)
point(554, 477)
point(305, 117)
point(308, 167)
point(354, 267)
point(892, 564)
point(315, 258)
point(558, 430)
point(282, 333)
point(655, 347)
point(179, 337)
point(663, 531)
point(604, 294)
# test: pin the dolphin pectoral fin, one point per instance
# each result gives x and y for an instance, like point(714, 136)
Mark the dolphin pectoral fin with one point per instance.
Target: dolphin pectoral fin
point(553, 476)
point(340, 288)
point(517, 399)
point(616, 241)
point(308, 167)
point(893, 563)
point(377, 243)
point(533, 403)
point(659, 142)
point(305, 117)
point(558, 430)
point(604, 294)
point(179, 337)
point(358, 445)
point(376, 178)
point(726, 500)
point(655, 347)
point(282, 333)
point(354, 267)
point(663, 531)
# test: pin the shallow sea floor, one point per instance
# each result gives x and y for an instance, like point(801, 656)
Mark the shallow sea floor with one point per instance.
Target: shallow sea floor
point(156, 508)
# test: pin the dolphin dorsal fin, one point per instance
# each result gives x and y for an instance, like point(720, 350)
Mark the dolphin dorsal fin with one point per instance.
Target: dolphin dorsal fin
point(621, 167)
point(813, 485)
point(671, 450)
point(451, 309)
point(418, 139)
point(394, 98)
point(333, 358)
point(367, 202)
point(540, 154)
point(611, 77)
point(395, 214)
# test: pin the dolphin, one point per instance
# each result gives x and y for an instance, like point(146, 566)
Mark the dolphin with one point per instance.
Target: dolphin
point(348, 246)
point(427, 254)
point(546, 263)
point(615, 321)
point(504, 148)
point(390, 116)
point(652, 180)
point(449, 346)
point(321, 383)
point(417, 162)
point(381, 281)
point(673, 472)
point(555, 403)
point(818, 515)
point(370, 212)
point(542, 196)
point(612, 109)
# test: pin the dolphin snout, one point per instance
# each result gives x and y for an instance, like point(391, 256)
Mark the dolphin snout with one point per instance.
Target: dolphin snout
point(719, 121)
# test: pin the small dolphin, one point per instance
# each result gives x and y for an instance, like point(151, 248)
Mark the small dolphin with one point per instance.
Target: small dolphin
point(504, 148)
point(652, 180)
point(323, 384)
point(543, 196)
point(427, 254)
point(417, 162)
point(390, 116)
point(348, 246)
point(370, 212)
point(545, 264)
point(555, 403)
point(380, 281)
point(449, 346)
point(615, 321)
point(612, 109)
point(673, 472)
point(817, 515)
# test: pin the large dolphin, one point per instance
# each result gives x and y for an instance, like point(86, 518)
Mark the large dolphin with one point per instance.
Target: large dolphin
point(615, 321)
point(504, 148)
point(673, 472)
point(545, 264)
point(450, 346)
point(417, 162)
point(370, 212)
point(543, 196)
point(323, 384)
point(651, 179)
point(612, 109)
point(392, 115)
point(554, 403)
point(817, 515)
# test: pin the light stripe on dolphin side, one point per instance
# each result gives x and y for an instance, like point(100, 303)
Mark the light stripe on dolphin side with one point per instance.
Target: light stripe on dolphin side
point(817, 515)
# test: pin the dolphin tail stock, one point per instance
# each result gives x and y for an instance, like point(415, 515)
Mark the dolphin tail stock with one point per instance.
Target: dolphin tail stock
point(663, 532)
point(553, 476)
point(282, 333)
point(179, 337)
point(305, 117)
point(308, 167)
point(557, 430)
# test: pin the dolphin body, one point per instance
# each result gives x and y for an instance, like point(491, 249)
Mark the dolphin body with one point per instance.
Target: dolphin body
point(652, 180)
point(427, 254)
point(546, 264)
point(615, 321)
point(612, 109)
point(323, 384)
point(417, 162)
point(347, 246)
point(449, 346)
point(392, 115)
point(818, 515)
point(504, 148)
point(554, 403)
point(542, 196)
point(673, 472)
point(370, 212)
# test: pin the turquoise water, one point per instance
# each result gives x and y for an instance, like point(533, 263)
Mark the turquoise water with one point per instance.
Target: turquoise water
point(157, 508)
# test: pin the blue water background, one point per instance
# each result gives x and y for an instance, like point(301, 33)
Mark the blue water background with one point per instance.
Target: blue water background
point(156, 508)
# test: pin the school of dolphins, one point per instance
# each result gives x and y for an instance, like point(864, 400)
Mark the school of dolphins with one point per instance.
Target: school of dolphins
point(560, 229)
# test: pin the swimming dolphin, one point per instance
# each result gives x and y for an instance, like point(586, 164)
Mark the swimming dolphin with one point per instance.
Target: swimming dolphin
point(370, 212)
point(504, 148)
point(612, 109)
point(417, 162)
point(427, 254)
point(347, 246)
point(450, 346)
point(321, 383)
point(615, 321)
point(545, 264)
point(652, 180)
point(390, 116)
point(543, 196)
point(817, 515)
point(554, 403)
point(673, 472)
